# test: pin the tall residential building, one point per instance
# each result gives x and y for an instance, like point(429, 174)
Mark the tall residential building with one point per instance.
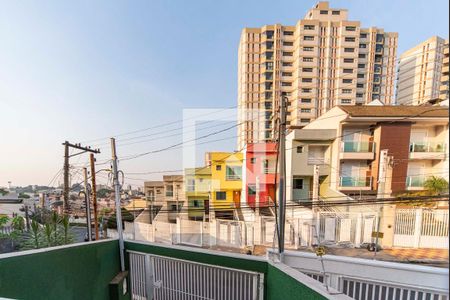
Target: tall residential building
point(323, 61)
point(444, 90)
point(420, 72)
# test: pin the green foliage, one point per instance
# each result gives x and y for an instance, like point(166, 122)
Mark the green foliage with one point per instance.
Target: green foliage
point(18, 223)
point(3, 192)
point(436, 185)
point(3, 220)
point(126, 216)
point(102, 193)
point(24, 196)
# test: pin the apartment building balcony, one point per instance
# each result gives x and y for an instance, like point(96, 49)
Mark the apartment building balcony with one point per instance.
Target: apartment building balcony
point(415, 182)
point(355, 183)
point(427, 150)
point(153, 271)
point(357, 150)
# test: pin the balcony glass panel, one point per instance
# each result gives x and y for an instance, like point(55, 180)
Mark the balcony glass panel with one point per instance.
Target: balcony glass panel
point(415, 181)
point(357, 146)
point(426, 147)
point(348, 181)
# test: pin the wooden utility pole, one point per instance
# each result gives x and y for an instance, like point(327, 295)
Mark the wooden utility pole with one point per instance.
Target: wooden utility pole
point(282, 180)
point(94, 194)
point(66, 177)
point(88, 204)
point(66, 145)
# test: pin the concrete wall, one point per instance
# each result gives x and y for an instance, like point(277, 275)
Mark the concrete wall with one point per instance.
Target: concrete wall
point(78, 271)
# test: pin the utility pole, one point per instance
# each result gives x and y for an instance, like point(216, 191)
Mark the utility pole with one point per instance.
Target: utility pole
point(68, 145)
point(282, 180)
point(27, 218)
point(257, 199)
point(381, 192)
point(94, 194)
point(66, 177)
point(315, 195)
point(117, 198)
point(88, 204)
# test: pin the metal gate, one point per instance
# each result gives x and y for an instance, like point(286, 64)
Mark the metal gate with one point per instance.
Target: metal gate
point(421, 228)
point(162, 278)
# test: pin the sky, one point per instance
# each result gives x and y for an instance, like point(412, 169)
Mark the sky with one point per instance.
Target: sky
point(84, 70)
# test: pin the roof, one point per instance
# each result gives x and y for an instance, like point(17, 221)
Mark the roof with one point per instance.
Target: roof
point(396, 111)
point(198, 171)
point(153, 183)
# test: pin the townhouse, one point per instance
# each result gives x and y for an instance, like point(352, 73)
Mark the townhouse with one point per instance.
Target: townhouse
point(198, 187)
point(346, 142)
point(226, 182)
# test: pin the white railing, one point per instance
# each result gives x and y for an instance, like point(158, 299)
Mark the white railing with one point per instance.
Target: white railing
point(366, 279)
point(158, 277)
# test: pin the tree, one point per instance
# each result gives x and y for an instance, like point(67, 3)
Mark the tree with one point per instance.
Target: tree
point(24, 196)
point(18, 223)
point(436, 185)
point(3, 191)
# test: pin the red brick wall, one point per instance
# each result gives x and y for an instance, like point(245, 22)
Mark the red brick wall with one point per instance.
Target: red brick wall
point(395, 137)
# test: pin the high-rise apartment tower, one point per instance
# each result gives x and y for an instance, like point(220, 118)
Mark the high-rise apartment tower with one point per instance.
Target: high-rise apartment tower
point(420, 72)
point(323, 61)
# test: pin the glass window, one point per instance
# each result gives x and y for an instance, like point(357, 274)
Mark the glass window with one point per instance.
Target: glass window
point(300, 149)
point(360, 85)
point(287, 64)
point(349, 60)
point(306, 79)
point(360, 75)
point(348, 71)
point(287, 53)
point(348, 50)
point(251, 189)
point(288, 43)
point(308, 49)
point(346, 91)
point(305, 120)
point(297, 183)
point(350, 28)
point(309, 27)
point(288, 33)
point(336, 12)
point(347, 80)
point(350, 39)
point(362, 55)
point(362, 46)
point(169, 190)
point(307, 91)
point(218, 167)
point(286, 84)
point(361, 66)
point(324, 12)
point(253, 160)
point(305, 110)
point(286, 73)
point(308, 38)
point(307, 69)
point(346, 101)
point(221, 195)
point(308, 59)
point(363, 35)
point(306, 100)
point(234, 173)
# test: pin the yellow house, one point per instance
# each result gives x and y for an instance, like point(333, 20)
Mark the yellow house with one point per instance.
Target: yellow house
point(198, 186)
point(226, 180)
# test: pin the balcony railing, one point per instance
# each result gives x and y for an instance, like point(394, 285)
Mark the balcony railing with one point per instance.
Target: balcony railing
point(233, 177)
point(415, 181)
point(349, 181)
point(358, 146)
point(426, 147)
point(317, 161)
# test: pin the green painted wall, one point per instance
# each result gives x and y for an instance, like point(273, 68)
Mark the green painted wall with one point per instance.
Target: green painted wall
point(81, 272)
point(219, 260)
point(283, 287)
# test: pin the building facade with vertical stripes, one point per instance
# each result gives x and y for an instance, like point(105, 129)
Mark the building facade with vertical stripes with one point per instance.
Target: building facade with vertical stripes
point(323, 61)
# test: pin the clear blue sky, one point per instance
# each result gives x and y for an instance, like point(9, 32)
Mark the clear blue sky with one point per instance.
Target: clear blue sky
point(80, 70)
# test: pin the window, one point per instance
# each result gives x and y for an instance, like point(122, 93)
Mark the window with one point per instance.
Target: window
point(288, 33)
point(361, 66)
point(288, 43)
point(196, 203)
point(346, 101)
point(287, 53)
point(253, 160)
point(360, 85)
point(308, 59)
point(350, 39)
point(360, 75)
point(169, 190)
point(324, 12)
point(287, 64)
point(268, 95)
point(221, 195)
point(308, 38)
point(267, 125)
point(349, 60)
point(363, 35)
point(348, 71)
point(309, 27)
point(305, 120)
point(297, 183)
point(158, 191)
point(306, 90)
point(305, 110)
point(362, 55)
point(191, 185)
point(306, 79)
point(268, 105)
point(380, 38)
point(234, 173)
point(300, 149)
point(350, 28)
point(349, 50)
point(307, 69)
point(286, 84)
point(346, 91)
point(218, 167)
point(308, 49)
point(362, 46)
point(286, 73)
point(269, 34)
point(251, 190)
point(336, 12)
point(359, 95)
point(347, 80)
point(306, 100)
